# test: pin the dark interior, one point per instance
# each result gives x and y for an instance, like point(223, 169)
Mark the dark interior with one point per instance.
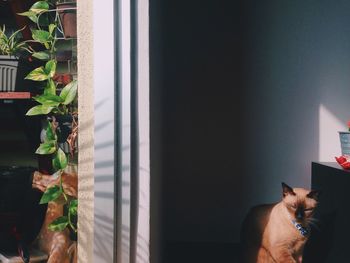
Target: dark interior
point(19, 134)
point(236, 93)
point(21, 216)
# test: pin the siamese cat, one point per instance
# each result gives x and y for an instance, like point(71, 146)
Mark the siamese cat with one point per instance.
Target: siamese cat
point(278, 232)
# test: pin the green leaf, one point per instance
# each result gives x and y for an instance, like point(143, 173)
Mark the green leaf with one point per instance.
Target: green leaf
point(47, 46)
point(50, 134)
point(40, 110)
point(50, 68)
point(49, 99)
point(39, 7)
point(30, 14)
point(73, 207)
point(59, 224)
point(47, 147)
point(37, 74)
point(51, 28)
point(41, 36)
point(59, 161)
point(42, 55)
point(51, 194)
point(69, 92)
point(50, 87)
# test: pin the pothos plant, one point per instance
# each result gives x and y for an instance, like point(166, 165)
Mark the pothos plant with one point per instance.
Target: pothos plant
point(11, 45)
point(52, 103)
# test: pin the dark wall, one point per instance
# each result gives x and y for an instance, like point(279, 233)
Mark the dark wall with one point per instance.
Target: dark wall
point(296, 80)
point(201, 119)
point(195, 66)
point(239, 86)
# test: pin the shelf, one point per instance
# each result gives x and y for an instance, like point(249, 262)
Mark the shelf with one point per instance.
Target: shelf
point(14, 95)
point(329, 240)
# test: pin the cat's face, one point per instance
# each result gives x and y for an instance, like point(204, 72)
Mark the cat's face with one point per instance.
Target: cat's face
point(300, 203)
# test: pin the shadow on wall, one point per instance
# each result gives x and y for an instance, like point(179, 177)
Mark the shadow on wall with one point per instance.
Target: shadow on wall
point(242, 85)
point(297, 62)
point(105, 217)
point(104, 186)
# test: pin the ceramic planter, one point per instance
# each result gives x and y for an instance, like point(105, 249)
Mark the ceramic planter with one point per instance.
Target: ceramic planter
point(8, 73)
point(12, 73)
point(68, 17)
point(345, 142)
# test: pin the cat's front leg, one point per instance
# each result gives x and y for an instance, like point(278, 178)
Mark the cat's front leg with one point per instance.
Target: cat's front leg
point(283, 256)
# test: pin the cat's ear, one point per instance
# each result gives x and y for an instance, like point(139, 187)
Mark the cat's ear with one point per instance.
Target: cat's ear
point(314, 194)
point(287, 190)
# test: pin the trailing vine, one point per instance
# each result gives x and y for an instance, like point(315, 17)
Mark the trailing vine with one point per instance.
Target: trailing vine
point(53, 101)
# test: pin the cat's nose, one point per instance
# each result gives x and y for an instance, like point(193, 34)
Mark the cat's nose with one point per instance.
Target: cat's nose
point(299, 215)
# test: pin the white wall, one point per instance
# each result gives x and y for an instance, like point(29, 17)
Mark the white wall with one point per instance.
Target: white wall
point(104, 92)
point(143, 222)
point(114, 105)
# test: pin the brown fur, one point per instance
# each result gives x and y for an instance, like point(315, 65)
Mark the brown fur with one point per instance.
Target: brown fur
point(268, 235)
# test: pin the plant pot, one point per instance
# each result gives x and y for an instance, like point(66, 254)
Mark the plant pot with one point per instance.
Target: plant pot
point(345, 142)
point(8, 73)
point(12, 74)
point(68, 17)
point(21, 215)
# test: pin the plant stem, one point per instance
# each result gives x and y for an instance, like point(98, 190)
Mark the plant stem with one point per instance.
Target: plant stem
point(70, 223)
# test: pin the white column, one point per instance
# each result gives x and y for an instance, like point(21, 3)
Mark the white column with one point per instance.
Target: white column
point(104, 140)
point(143, 231)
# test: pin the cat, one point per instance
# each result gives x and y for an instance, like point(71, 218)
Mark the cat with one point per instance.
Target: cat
point(277, 233)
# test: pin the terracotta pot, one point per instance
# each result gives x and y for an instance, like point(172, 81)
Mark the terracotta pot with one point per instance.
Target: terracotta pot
point(68, 19)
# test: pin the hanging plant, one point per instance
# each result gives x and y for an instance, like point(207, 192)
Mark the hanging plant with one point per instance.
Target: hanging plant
point(53, 102)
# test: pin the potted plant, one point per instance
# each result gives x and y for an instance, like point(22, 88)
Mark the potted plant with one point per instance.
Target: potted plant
point(344, 137)
point(11, 48)
point(68, 17)
point(18, 199)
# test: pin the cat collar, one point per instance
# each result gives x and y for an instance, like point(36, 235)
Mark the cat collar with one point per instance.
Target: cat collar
point(304, 231)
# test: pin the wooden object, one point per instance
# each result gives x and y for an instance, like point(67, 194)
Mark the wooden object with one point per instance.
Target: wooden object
point(57, 244)
point(15, 95)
